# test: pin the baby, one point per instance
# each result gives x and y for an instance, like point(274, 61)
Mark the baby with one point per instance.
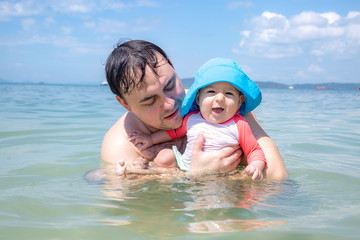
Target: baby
point(212, 107)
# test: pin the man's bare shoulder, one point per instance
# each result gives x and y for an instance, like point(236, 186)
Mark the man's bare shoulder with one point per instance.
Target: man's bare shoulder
point(116, 145)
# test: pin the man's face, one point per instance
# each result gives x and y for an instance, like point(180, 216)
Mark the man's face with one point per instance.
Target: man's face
point(157, 103)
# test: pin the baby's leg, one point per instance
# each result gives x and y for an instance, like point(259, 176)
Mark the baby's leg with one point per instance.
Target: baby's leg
point(165, 158)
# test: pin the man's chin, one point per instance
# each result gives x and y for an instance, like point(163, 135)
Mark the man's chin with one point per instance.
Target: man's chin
point(173, 123)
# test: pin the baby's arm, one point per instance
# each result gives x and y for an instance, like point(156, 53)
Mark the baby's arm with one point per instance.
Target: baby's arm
point(144, 141)
point(255, 155)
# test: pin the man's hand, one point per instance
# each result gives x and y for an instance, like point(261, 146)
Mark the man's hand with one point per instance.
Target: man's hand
point(225, 159)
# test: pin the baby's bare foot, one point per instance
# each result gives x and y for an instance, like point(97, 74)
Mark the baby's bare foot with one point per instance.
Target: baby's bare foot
point(121, 168)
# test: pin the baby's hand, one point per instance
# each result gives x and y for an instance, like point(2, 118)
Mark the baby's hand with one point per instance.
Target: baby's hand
point(141, 140)
point(255, 169)
point(121, 168)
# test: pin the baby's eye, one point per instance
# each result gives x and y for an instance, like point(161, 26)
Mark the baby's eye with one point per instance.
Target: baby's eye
point(210, 91)
point(229, 93)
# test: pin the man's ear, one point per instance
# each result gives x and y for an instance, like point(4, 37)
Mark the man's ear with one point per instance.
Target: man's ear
point(123, 102)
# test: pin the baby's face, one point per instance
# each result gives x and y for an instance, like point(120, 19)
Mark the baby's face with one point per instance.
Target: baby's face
point(219, 101)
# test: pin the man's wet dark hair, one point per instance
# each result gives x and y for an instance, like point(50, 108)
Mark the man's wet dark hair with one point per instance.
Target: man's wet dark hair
point(126, 65)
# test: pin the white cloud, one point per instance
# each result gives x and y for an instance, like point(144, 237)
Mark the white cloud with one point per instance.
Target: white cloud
point(73, 6)
point(38, 28)
point(48, 22)
point(25, 8)
point(147, 3)
point(353, 14)
point(331, 17)
point(273, 35)
point(78, 8)
point(111, 26)
point(246, 33)
point(270, 20)
point(270, 15)
point(113, 5)
point(19, 9)
point(333, 47)
point(301, 75)
point(315, 69)
point(107, 26)
point(317, 52)
point(353, 31)
point(308, 18)
point(66, 30)
point(28, 24)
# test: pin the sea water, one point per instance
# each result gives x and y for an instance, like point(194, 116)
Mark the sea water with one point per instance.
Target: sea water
point(50, 135)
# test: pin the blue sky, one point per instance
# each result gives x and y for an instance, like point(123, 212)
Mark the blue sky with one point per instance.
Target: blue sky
point(293, 41)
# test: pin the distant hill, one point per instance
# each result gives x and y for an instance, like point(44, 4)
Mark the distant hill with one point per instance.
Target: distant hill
point(330, 86)
point(187, 82)
point(271, 85)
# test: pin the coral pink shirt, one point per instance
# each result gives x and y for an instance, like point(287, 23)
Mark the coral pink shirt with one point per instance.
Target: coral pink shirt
point(217, 136)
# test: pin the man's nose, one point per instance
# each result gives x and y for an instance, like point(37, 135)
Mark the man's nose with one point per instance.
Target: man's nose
point(168, 101)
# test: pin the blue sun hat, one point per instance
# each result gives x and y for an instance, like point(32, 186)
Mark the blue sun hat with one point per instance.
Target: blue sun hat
point(223, 70)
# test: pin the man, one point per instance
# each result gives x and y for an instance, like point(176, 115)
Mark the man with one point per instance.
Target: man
point(146, 84)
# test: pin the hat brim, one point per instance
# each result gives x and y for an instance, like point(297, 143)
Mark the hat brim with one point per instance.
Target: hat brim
point(223, 74)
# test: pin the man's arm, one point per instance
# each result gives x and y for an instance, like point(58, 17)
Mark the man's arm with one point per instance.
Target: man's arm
point(276, 169)
point(116, 146)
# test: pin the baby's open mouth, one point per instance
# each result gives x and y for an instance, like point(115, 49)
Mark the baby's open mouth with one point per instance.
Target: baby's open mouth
point(218, 110)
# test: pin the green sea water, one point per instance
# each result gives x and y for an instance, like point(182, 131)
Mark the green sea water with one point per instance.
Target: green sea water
point(50, 135)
